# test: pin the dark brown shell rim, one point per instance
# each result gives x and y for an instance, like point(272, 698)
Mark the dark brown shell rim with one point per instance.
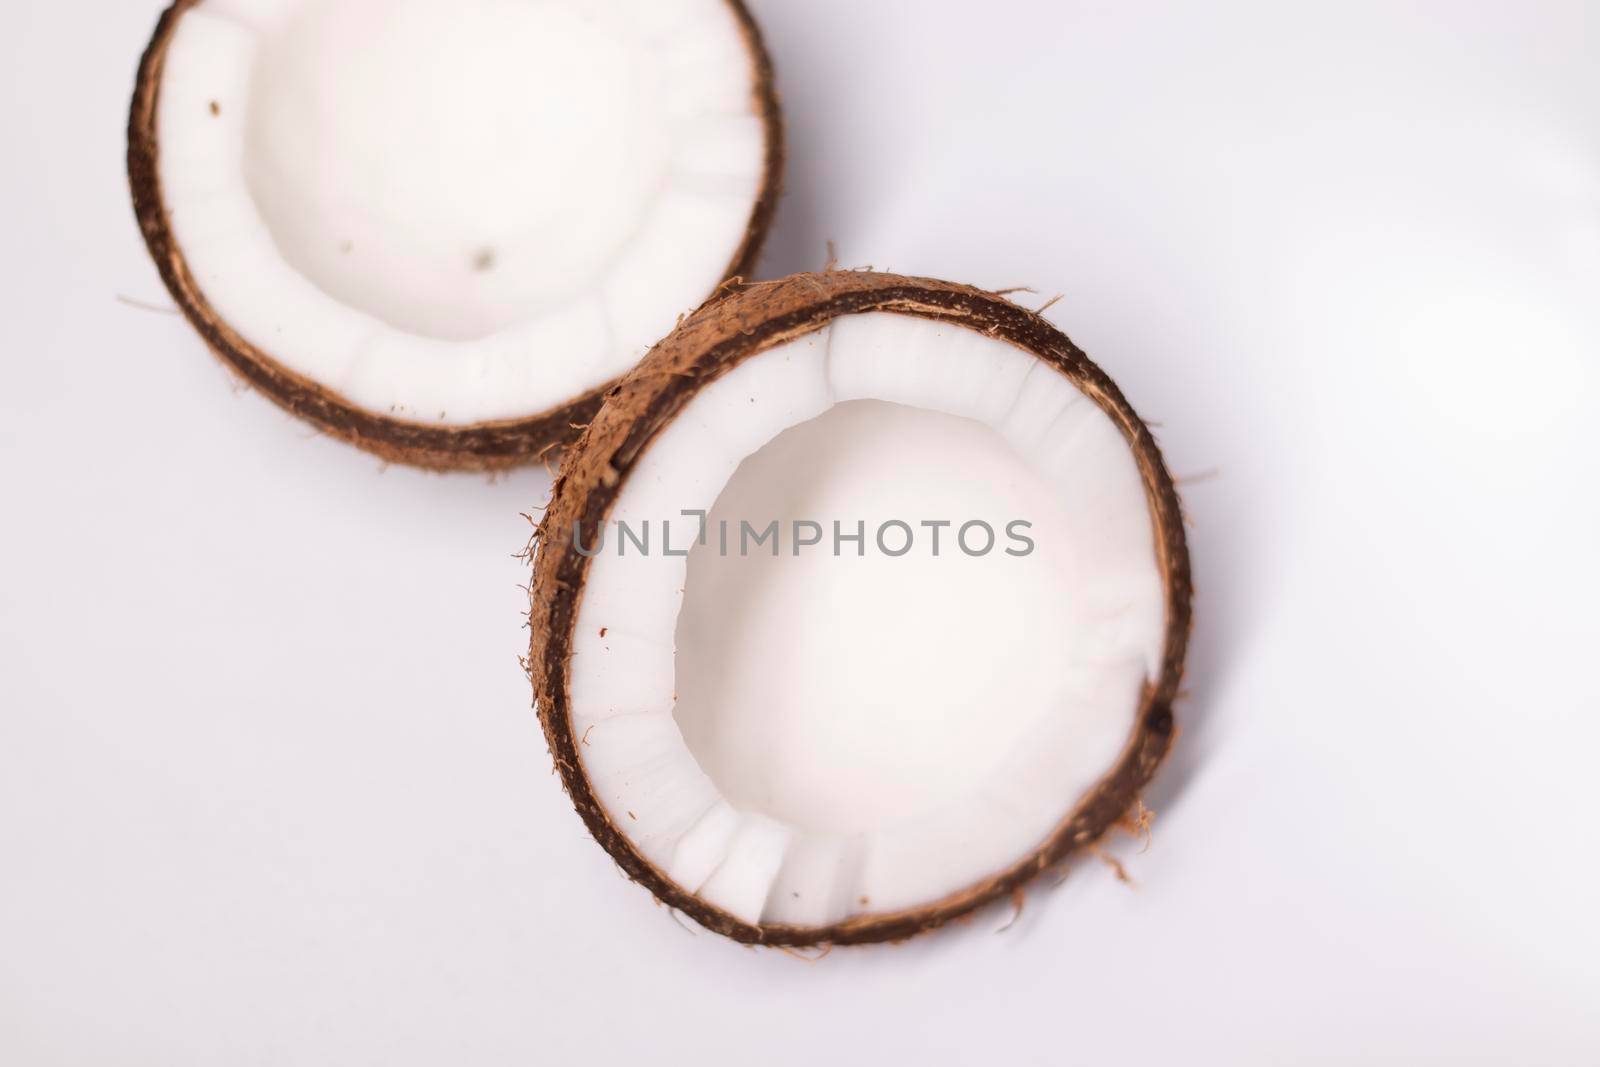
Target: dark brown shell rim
point(739, 323)
point(484, 446)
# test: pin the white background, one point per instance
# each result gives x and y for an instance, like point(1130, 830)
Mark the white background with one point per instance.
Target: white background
point(270, 789)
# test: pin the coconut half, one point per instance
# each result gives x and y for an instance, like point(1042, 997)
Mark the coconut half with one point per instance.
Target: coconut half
point(440, 229)
point(831, 738)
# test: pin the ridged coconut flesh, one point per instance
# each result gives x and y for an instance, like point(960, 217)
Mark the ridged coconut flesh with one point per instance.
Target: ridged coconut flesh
point(795, 746)
point(441, 228)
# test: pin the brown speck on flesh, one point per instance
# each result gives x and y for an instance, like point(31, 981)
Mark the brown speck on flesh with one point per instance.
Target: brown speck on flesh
point(864, 902)
point(483, 261)
point(603, 630)
point(586, 733)
point(347, 247)
point(632, 816)
point(216, 109)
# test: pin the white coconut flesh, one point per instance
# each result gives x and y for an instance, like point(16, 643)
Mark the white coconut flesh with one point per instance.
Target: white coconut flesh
point(803, 739)
point(458, 211)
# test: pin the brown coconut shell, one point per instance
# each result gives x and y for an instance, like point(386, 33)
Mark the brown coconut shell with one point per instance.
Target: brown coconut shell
point(734, 326)
point(484, 446)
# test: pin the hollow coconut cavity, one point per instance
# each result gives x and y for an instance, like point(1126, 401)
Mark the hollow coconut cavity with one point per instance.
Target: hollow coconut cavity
point(440, 229)
point(856, 732)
